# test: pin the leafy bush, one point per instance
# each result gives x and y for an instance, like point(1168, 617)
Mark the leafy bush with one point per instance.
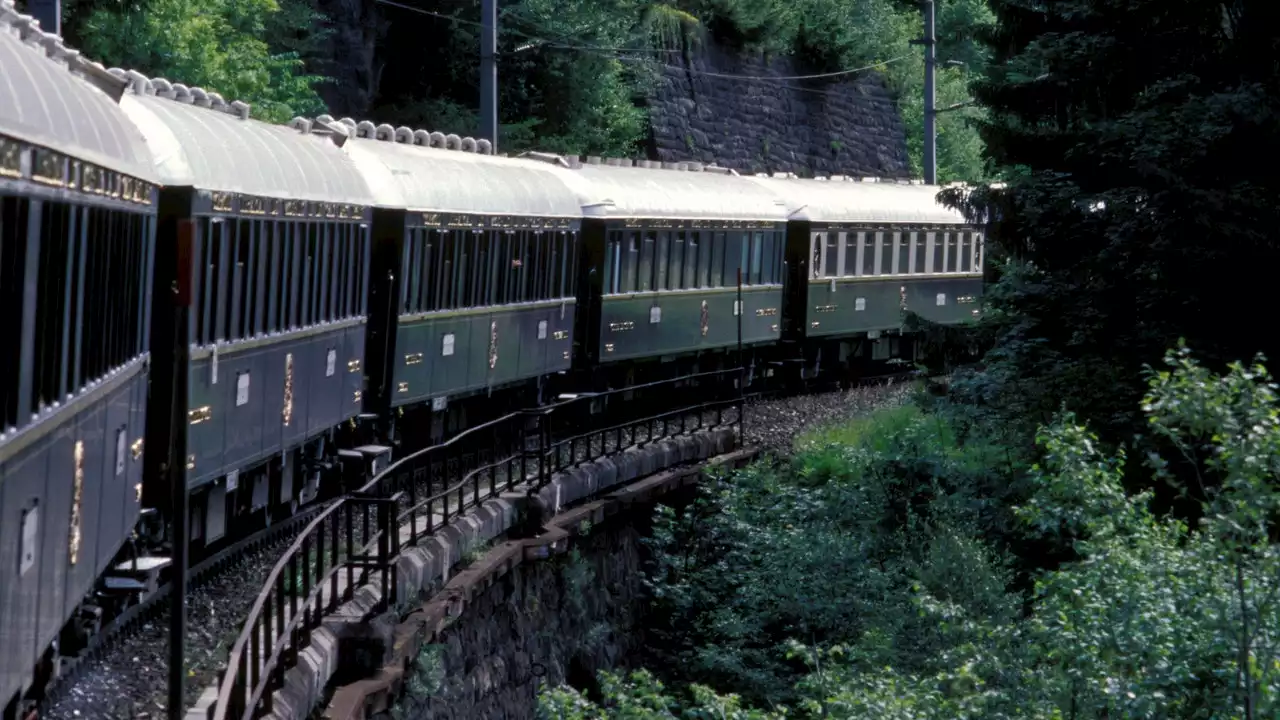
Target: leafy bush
point(215, 44)
point(1157, 618)
point(833, 548)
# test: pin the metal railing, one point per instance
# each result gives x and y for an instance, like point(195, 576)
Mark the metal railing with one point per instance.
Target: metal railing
point(358, 537)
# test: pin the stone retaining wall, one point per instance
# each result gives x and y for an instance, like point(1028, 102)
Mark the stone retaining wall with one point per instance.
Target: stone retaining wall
point(424, 569)
point(846, 126)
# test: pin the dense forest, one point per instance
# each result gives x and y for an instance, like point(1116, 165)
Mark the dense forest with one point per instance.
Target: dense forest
point(573, 74)
point(1082, 524)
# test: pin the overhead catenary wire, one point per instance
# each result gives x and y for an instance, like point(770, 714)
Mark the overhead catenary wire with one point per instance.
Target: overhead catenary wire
point(545, 43)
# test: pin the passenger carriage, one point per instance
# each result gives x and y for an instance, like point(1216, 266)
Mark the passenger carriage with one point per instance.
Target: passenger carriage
point(77, 237)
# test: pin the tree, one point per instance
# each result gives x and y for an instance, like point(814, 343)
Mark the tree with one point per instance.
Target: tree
point(1135, 210)
point(215, 44)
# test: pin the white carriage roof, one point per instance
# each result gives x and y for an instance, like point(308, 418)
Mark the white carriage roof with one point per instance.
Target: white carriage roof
point(197, 139)
point(413, 170)
point(52, 97)
point(840, 200)
point(685, 191)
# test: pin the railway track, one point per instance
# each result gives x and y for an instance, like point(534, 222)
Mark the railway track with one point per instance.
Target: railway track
point(771, 425)
point(152, 607)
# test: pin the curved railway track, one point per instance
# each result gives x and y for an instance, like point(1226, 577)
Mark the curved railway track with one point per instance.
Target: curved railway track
point(772, 421)
point(152, 607)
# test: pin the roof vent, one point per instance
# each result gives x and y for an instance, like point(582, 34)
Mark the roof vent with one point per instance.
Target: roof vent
point(337, 132)
point(484, 147)
point(365, 129)
point(241, 109)
point(422, 137)
point(139, 83)
point(593, 159)
point(551, 158)
point(693, 166)
point(870, 179)
point(163, 87)
point(200, 98)
point(351, 124)
point(453, 141)
point(182, 93)
point(626, 162)
point(119, 73)
point(404, 135)
point(468, 144)
point(215, 102)
point(300, 124)
point(437, 139)
point(385, 133)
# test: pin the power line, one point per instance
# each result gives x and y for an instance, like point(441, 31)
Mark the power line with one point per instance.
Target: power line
point(783, 78)
point(544, 43)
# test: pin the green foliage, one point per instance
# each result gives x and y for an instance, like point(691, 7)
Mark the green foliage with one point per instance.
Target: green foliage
point(840, 546)
point(1154, 618)
point(641, 696)
point(219, 45)
point(1135, 212)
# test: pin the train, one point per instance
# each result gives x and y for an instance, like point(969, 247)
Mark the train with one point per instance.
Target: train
point(259, 310)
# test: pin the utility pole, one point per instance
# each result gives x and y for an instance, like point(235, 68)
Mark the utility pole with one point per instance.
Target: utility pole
point(930, 96)
point(49, 13)
point(489, 72)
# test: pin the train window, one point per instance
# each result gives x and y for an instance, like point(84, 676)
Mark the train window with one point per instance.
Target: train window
point(13, 229)
point(693, 261)
point(448, 265)
point(675, 269)
point(270, 269)
point(734, 252)
point(937, 242)
point(344, 271)
point(360, 237)
point(902, 240)
point(613, 263)
point(462, 289)
point(554, 265)
point(434, 270)
point(218, 282)
point(716, 273)
point(966, 252)
point(867, 253)
point(51, 289)
point(644, 275)
point(279, 257)
point(262, 268)
point(570, 263)
point(769, 259)
point(744, 257)
point(757, 256)
point(409, 271)
point(978, 248)
point(327, 258)
point(704, 258)
point(953, 254)
point(919, 250)
point(884, 253)
point(238, 308)
point(661, 258)
point(482, 277)
point(630, 262)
